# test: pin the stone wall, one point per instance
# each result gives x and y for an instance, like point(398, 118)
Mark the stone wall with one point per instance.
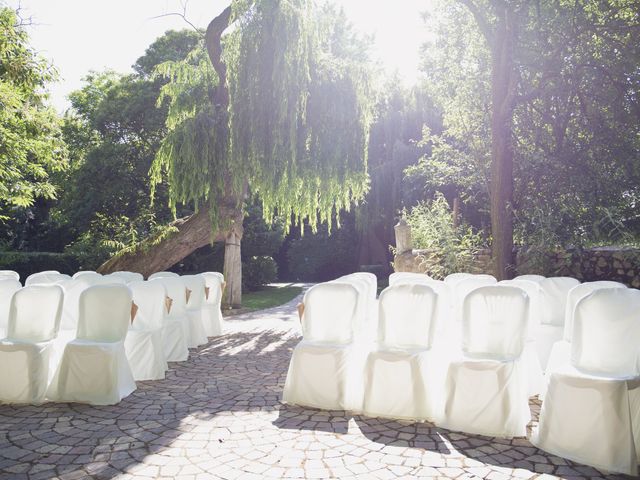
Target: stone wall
point(620, 264)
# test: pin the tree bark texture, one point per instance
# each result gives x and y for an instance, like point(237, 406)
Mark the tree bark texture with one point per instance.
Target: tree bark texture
point(503, 92)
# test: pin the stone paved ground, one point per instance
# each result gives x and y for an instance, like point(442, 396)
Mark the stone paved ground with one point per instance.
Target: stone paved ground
point(218, 415)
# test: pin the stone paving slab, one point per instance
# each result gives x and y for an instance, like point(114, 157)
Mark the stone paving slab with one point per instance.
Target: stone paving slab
point(219, 416)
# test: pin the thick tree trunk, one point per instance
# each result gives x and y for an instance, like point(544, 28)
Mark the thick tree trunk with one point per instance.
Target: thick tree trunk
point(152, 256)
point(503, 87)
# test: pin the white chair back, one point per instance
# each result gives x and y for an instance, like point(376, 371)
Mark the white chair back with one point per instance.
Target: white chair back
point(34, 315)
point(466, 285)
point(531, 278)
point(455, 278)
point(9, 274)
point(532, 290)
point(163, 275)
point(576, 294)
point(105, 313)
point(48, 277)
point(213, 281)
point(73, 288)
point(127, 276)
point(330, 311)
point(606, 333)
point(150, 299)
point(407, 316)
point(369, 279)
point(86, 273)
point(398, 277)
point(177, 292)
point(553, 299)
point(494, 323)
point(196, 284)
point(8, 286)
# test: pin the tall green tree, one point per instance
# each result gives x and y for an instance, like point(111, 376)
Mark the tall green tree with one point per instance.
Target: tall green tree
point(31, 147)
point(285, 119)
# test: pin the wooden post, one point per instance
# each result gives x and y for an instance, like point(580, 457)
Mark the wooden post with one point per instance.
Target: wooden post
point(456, 212)
point(233, 271)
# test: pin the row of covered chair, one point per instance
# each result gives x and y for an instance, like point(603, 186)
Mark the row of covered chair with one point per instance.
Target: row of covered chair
point(479, 380)
point(88, 338)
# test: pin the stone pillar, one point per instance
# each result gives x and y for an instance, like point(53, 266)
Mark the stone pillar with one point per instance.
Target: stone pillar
point(403, 237)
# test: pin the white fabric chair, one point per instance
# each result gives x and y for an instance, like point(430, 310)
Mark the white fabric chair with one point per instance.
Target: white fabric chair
point(530, 353)
point(459, 291)
point(48, 277)
point(404, 360)
point(86, 273)
point(144, 342)
point(128, 277)
point(211, 307)
point(487, 387)
point(327, 365)
point(9, 274)
point(531, 278)
point(561, 350)
point(8, 287)
point(176, 332)
point(163, 275)
point(94, 367)
point(591, 413)
point(554, 292)
point(26, 353)
point(195, 284)
point(406, 277)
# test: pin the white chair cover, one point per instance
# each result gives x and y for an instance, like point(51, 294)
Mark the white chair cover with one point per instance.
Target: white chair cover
point(211, 307)
point(327, 366)
point(406, 277)
point(404, 361)
point(487, 388)
point(144, 343)
point(8, 286)
point(176, 332)
point(554, 292)
point(591, 413)
point(531, 278)
point(9, 274)
point(94, 367)
point(444, 304)
point(25, 355)
point(459, 291)
point(561, 350)
point(366, 320)
point(454, 278)
point(86, 273)
point(163, 275)
point(49, 277)
point(128, 277)
point(530, 353)
point(195, 284)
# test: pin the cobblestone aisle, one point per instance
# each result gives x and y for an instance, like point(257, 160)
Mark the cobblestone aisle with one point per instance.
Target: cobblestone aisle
point(218, 416)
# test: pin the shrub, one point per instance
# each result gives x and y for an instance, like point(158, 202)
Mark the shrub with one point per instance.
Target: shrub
point(258, 271)
point(447, 248)
point(26, 263)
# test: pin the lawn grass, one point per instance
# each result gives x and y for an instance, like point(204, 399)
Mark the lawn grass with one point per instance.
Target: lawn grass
point(269, 297)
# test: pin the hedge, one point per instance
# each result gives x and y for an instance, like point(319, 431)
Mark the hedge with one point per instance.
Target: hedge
point(26, 263)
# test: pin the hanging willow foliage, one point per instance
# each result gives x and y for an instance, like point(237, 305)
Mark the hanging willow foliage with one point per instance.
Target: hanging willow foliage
point(296, 130)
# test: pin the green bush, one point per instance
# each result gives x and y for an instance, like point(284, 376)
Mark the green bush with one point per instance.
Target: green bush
point(26, 263)
point(447, 248)
point(258, 271)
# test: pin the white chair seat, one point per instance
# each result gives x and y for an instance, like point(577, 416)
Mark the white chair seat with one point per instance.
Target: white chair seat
point(145, 353)
point(325, 376)
point(92, 372)
point(174, 340)
point(25, 371)
point(212, 320)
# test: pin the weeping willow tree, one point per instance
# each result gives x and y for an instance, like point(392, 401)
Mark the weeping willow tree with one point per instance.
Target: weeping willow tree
point(279, 108)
